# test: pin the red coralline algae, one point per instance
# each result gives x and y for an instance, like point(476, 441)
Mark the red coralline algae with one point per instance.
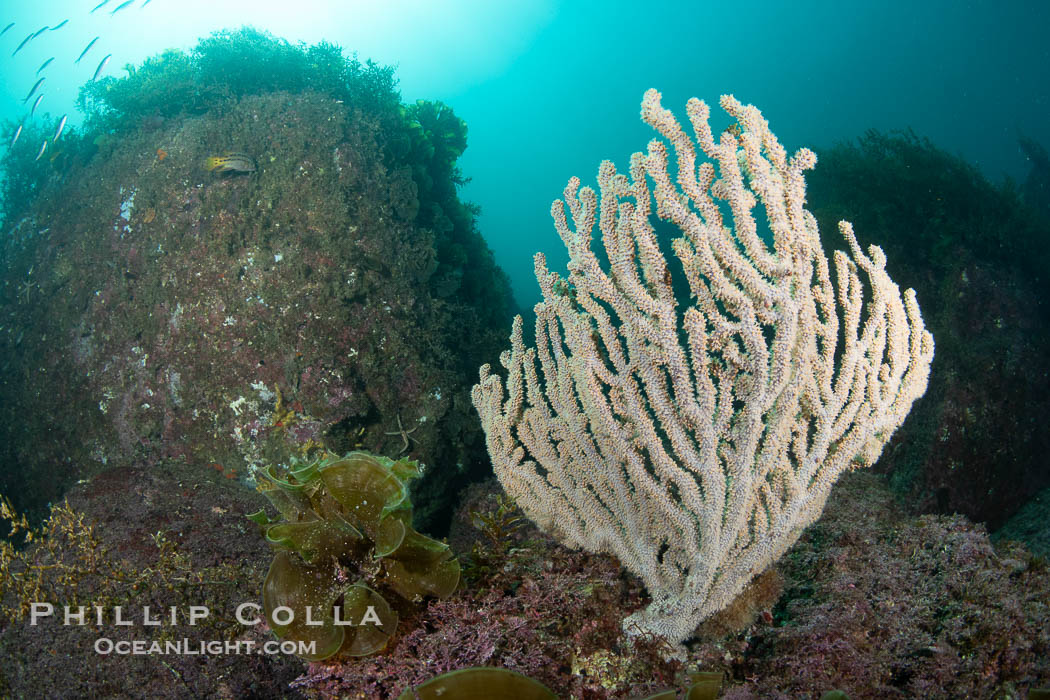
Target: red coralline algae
point(192, 299)
point(533, 607)
point(875, 603)
point(881, 605)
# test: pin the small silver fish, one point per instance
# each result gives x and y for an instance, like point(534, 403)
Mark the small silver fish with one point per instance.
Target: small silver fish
point(86, 49)
point(44, 65)
point(6, 28)
point(36, 104)
point(121, 6)
point(98, 6)
point(33, 90)
point(18, 132)
point(40, 31)
point(59, 25)
point(43, 147)
point(24, 42)
point(58, 131)
point(101, 66)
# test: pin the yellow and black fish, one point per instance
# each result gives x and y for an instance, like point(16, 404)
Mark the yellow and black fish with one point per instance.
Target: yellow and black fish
point(230, 163)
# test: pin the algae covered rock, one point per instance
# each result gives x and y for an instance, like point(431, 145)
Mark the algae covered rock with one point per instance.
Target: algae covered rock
point(165, 312)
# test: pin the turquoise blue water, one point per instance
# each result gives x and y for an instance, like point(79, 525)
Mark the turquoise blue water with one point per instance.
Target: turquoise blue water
point(175, 324)
point(549, 89)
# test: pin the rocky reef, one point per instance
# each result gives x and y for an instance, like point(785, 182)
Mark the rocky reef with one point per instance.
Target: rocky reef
point(226, 269)
point(976, 254)
point(154, 310)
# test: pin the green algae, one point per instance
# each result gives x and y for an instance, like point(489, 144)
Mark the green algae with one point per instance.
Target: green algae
point(345, 530)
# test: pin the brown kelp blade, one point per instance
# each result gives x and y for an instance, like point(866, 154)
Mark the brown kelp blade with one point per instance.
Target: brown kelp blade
point(481, 683)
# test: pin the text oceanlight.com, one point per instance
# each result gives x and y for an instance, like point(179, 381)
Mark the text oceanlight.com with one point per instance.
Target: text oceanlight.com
point(188, 647)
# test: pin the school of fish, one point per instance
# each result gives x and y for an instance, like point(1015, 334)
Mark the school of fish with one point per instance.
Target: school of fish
point(36, 89)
